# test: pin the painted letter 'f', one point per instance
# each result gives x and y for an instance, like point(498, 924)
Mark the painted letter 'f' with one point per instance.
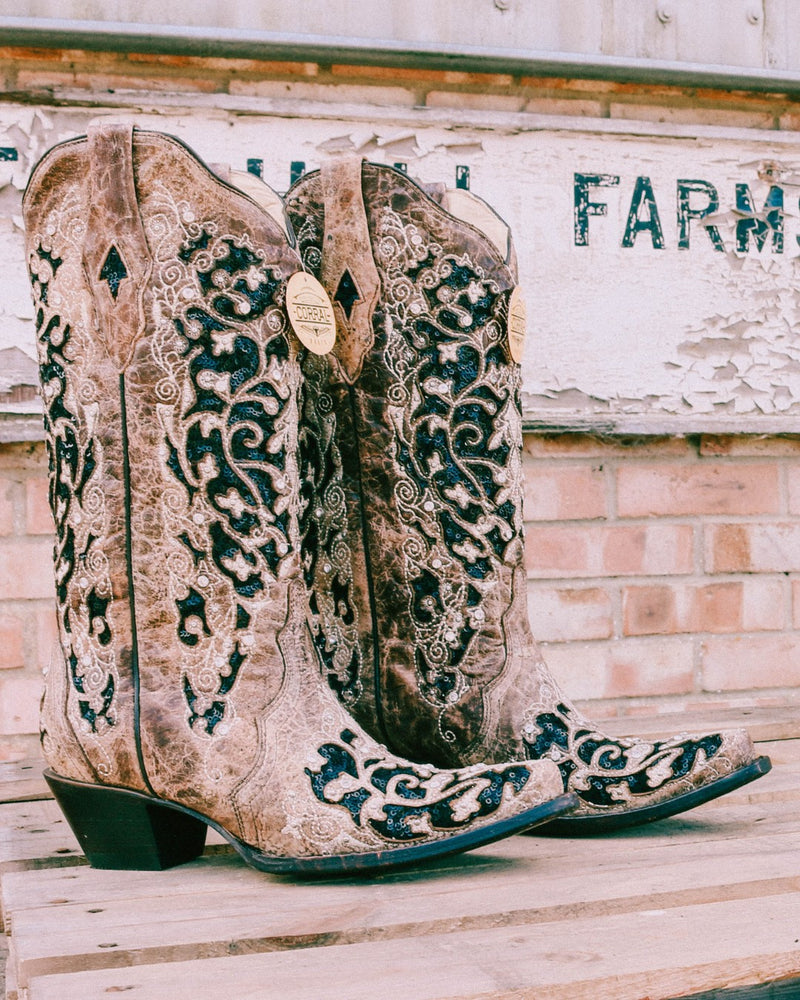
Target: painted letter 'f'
point(583, 208)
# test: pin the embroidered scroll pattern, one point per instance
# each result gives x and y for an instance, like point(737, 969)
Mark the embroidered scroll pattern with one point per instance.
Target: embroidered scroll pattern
point(326, 550)
point(226, 407)
point(451, 402)
point(83, 585)
point(604, 771)
point(407, 802)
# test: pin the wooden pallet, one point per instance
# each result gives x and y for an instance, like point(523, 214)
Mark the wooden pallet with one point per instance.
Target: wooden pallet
point(706, 905)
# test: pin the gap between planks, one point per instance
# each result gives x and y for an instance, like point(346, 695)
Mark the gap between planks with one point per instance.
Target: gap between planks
point(655, 955)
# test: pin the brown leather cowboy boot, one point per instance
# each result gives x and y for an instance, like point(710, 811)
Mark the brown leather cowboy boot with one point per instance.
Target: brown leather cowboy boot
point(189, 694)
point(413, 532)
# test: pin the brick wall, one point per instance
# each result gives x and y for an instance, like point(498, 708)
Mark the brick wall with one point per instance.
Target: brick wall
point(27, 601)
point(663, 573)
point(666, 568)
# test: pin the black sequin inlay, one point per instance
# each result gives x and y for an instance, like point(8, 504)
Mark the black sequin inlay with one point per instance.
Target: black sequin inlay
point(113, 271)
point(455, 452)
point(421, 807)
point(606, 757)
point(228, 449)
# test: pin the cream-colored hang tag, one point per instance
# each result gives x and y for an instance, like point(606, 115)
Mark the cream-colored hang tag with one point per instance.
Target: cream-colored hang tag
point(517, 324)
point(310, 313)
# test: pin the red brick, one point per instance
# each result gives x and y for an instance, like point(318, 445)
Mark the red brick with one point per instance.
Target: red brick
point(567, 106)
point(133, 81)
point(46, 633)
point(556, 551)
point(19, 704)
point(764, 605)
point(551, 445)
point(479, 79)
point(716, 607)
point(592, 550)
point(727, 548)
point(568, 84)
point(382, 96)
point(643, 491)
point(38, 516)
point(36, 79)
point(8, 493)
point(741, 662)
point(793, 486)
point(26, 569)
point(651, 667)
point(23, 456)
point(581, 669)
point(694, 114)
point(651, 550)
point(564, 494)
point(223, 66)
point(20, 53)
point(749, 446)
point(649, 611)
point(753, 547)
point(426, 75)
point(568, 614)
point(630, 668)
point(735, 606)
point(391, 73)
point(12, 645)
point(485, 102)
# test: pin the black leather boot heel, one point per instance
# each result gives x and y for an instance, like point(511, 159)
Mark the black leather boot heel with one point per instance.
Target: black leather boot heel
point(123, 830)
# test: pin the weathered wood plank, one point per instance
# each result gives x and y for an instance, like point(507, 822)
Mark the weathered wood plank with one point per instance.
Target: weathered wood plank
point(10, 971)
point(709, 831)
point(22, 781)
point(763, 724)
point(740, 850)
point(656, 954)
point(107, 919)
point(35, 835)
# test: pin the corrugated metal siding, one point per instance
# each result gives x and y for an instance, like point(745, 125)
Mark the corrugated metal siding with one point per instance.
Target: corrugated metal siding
point(748, 34)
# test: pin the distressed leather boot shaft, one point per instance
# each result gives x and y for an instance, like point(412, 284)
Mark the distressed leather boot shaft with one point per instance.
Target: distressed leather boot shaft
point(413, 529)
point(189, 692)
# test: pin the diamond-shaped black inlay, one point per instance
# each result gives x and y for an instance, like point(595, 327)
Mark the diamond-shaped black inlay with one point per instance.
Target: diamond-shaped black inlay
point(113, 271)
point(347, 293)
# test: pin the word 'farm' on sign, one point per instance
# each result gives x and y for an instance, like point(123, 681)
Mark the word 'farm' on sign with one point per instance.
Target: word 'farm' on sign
point(695, 200)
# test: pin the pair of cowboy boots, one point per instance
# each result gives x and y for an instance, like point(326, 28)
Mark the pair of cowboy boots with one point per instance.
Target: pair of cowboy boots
point(209, 473)
point(188, 693)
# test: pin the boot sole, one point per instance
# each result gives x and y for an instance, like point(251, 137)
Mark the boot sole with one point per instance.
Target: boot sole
point(585, 826)
point(122, 829)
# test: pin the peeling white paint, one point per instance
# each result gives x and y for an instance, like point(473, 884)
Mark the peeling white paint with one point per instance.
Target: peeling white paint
point(614, 330)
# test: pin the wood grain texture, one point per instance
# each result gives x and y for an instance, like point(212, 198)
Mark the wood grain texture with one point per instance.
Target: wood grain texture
point(700, 904)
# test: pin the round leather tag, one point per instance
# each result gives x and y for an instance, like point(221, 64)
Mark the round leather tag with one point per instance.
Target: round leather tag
point(310, 313)
point(517, 324)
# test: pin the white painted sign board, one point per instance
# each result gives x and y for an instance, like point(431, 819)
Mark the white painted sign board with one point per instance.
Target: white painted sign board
point(660, 263)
